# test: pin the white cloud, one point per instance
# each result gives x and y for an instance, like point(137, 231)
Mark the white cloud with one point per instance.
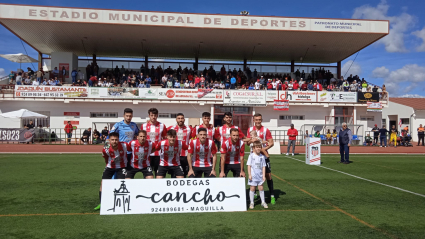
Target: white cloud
point(355, 69)
point(380, 72)
point(411, 96)
point(2, 72)
point(420, 34)
point(404, 80)
point(394, 42)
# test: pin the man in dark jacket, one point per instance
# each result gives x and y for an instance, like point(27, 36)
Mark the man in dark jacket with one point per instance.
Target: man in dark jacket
point(375, 134)
point(345, 137)
point(86, 136)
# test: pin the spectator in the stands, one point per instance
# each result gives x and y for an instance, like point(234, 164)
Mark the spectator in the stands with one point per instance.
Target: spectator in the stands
point(364, 86)
point(262, 81)
point(142, 85)
point(233, 82)
point(331, 87)
point(318, 86)
point(329, 137)
point(353, 86)
point(295, 86)
point(40, 74)
point(317, 134)
point(35, 83)
point(74, 75)
point(11, 77)
point(86, 136)
point(290, 85)
point(45, 82)
point(345, 86)
point(28, 81)
point(148, 81)
point(304, 86)
point(310, 86)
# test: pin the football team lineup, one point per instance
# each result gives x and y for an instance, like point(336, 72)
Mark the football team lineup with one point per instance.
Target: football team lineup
point(182, 151)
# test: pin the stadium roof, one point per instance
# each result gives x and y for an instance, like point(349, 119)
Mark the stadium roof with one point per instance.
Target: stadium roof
point(123, 33)
point(415, 103)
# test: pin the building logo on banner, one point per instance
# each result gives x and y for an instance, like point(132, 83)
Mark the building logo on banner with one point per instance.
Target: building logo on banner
point(281, 105)
point(148, 93)
point(298, 96)
point(244, 98)
point(140, 196)
point(170, 94)
point(374, 107)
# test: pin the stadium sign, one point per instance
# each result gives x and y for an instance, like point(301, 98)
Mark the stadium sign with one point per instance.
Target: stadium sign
point(50, 91)
point(190, 94)
point(244, 98)
point(144, 196)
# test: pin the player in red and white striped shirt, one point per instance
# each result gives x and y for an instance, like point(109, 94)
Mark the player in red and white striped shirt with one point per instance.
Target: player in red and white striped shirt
point(224, 130)
point(201, 150)
point(156, 133)
point(212, 133)
point(232, 153)
point(140, 150)
point(170, 150)
point(183, 134)
point(264, 134)
point(115, 159)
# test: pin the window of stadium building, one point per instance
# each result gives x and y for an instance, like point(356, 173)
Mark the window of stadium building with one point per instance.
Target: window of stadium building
point(167, 115)
point(405, 120)
point(103, 114)
point(367, 118)
point(291, 117)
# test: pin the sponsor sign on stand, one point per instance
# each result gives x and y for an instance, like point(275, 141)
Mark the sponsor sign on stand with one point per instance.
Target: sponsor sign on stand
point(281, 105)
point(244, 98)
point(364, 97)
point(18, 135)
point(271, 95)
point(335, 96)
point(188, 94)
point(298, 96)
point(148, 93)
point(140, 196)
point(51, 91)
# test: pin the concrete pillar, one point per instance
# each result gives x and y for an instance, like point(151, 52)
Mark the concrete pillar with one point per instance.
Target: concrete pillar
point(146, 65)
point(195, 65)
point(94, 59)
point(244, 64)
point(40, 61)
point(292, 66)
point(338, 69)
point(64, 59)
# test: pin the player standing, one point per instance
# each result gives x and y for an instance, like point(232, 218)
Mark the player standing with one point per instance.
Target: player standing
point(183, 134)
point(116, 160)
point(126, 129)
point(224, 130)
point(257, 173)
point(232, 153)
point(169, 151)
point(200, 152)
point(140, 162)
point(265, 135)
point(212, 133)
point(156, 132)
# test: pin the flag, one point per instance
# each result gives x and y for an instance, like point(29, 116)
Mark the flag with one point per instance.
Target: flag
point(203, 92)
point(399, 123)
point(281, 105)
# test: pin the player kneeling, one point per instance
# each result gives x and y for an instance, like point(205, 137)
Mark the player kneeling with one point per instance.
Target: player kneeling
point(116, 160)
point(200, 152)
point(170, 150)
point(140, 162)
point(257, 173)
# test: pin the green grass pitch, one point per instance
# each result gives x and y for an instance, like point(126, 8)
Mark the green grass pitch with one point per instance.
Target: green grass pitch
point(53, 196)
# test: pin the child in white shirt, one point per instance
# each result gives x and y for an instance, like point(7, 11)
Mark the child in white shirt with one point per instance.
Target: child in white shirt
point(257, 174)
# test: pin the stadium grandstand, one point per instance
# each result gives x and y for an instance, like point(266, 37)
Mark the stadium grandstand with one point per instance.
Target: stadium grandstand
point(87, 78)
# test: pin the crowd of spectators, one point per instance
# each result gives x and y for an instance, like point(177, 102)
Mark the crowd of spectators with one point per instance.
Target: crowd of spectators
point(318, 79)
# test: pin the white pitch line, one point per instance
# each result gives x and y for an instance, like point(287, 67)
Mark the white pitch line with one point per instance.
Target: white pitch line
point(365, 179)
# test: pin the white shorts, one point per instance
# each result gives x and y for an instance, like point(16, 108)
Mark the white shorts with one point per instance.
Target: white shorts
point(255, 183)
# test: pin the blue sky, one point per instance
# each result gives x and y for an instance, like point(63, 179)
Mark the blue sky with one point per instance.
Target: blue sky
point(396, 60)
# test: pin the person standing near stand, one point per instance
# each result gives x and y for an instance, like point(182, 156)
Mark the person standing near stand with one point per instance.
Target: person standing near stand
point(375, 134)
point(292, 133)
point(345, 137)
point(421, 134)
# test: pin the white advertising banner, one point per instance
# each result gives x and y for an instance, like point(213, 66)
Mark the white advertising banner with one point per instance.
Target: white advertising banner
point(271, 95)
point(153, 196)
point(312, 151)
point(170, 19)
point(244, 98)
point(50, 91)
point(113, 92)
point(298, 96)
point(335, 96)
point(189, 94)
point(149, 93)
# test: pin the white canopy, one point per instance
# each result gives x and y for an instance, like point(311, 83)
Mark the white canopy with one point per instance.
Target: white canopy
point(22, 113)
point(19, 58)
